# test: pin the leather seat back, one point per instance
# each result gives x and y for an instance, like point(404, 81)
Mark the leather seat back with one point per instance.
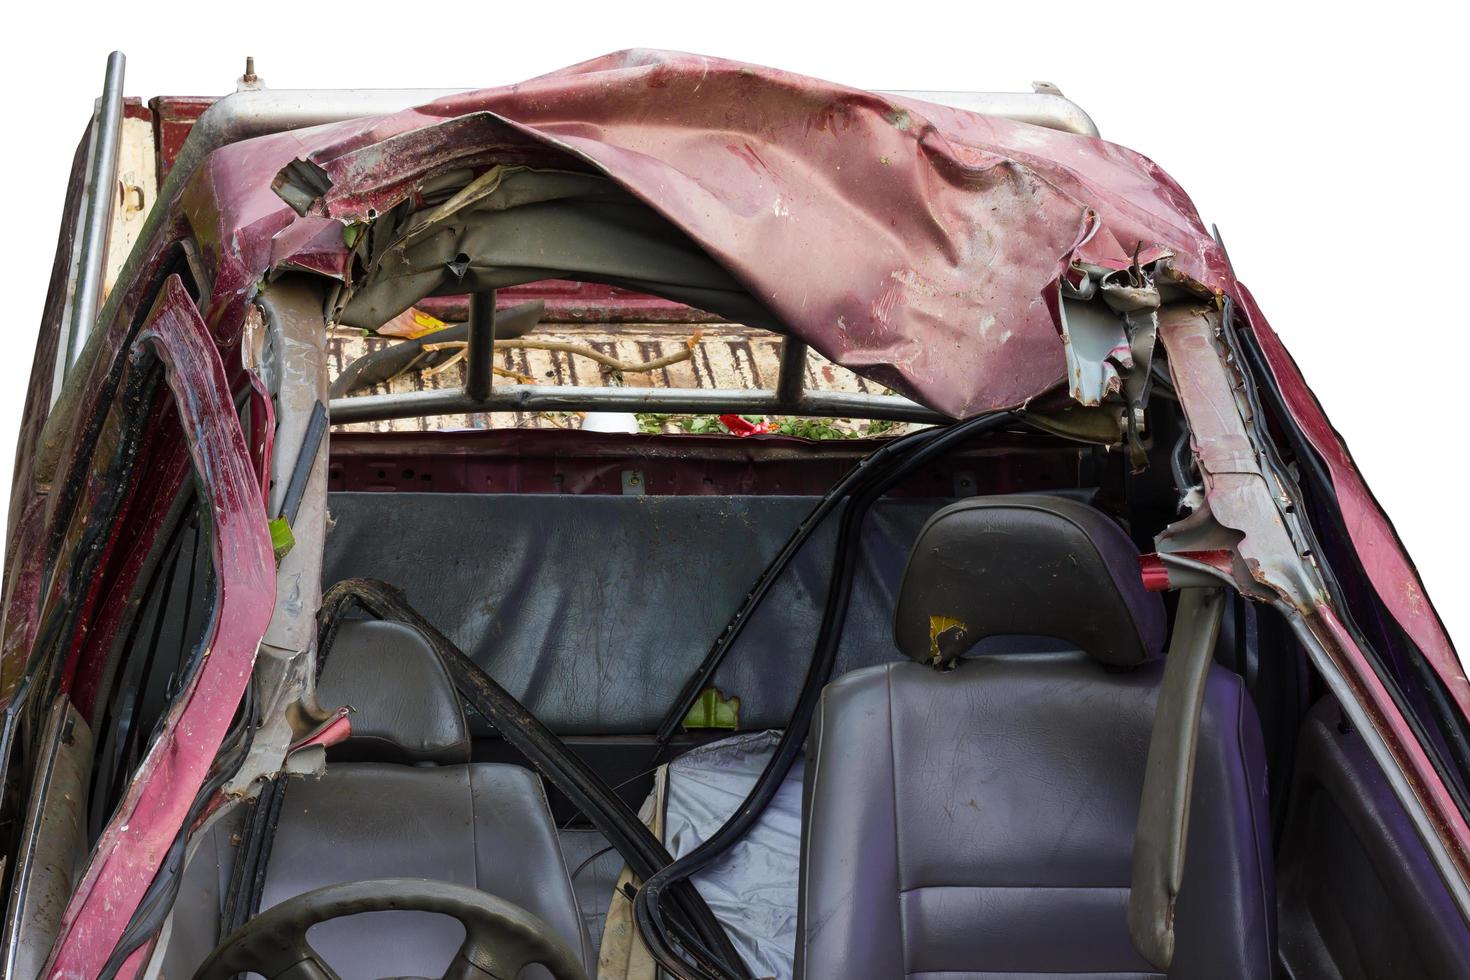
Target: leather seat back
point(420, 810)
point(404, 706)
point(978, 821)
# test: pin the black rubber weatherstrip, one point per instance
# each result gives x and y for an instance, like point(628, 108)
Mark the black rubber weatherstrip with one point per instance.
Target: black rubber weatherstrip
point(654, 929)
point(316, 427)
point(158, 901)
point(252, 857)
point(1315, 479)
point(866, 470)
point(644, 852)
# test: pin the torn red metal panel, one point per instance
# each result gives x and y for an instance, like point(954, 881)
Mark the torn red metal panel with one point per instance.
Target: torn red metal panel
point(948, 227)
point(1383, 556)
point(336, 729)
point(150, 816)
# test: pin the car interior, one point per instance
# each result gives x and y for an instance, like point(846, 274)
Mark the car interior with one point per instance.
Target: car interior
point(638, 703)
point(964, 800)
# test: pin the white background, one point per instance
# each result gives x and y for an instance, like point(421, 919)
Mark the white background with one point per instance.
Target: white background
point(1329, 146)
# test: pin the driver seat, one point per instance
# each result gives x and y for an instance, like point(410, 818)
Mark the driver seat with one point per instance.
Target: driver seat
point(401, 798)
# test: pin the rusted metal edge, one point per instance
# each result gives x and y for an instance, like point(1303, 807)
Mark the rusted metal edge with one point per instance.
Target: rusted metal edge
point(1246, 509)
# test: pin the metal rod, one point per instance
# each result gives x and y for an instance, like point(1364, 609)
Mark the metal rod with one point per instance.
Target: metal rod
point(96, 218)
point(480, 353)
point(791, 383)
point(570, 398)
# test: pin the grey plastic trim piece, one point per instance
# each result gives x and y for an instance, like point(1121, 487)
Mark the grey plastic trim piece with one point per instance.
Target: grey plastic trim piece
point(1168, 780)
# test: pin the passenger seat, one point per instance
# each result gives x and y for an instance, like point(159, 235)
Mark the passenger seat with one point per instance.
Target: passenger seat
point(978, 821)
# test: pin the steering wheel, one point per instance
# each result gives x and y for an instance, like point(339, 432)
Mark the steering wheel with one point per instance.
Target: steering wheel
point(501, 938)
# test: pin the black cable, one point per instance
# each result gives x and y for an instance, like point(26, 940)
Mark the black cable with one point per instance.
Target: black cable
point(158, 901)
point(589, 859)
point(652, 926)
point(864, 471)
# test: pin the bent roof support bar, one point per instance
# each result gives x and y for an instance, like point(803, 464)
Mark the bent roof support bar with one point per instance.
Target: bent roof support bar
point(570, 398)
point(791, 383)
point(479, 353)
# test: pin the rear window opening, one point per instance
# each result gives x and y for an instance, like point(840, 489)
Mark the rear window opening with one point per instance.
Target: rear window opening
point(581, 334)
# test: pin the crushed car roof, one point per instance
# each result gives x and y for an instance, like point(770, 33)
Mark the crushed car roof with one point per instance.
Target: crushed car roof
point(916, 244)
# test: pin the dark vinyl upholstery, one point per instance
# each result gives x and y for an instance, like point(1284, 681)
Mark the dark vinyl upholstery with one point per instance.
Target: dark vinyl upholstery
point(1027, 565)
point(592, 609)
point(404, 707)
point(483, 825)
point(978, 822)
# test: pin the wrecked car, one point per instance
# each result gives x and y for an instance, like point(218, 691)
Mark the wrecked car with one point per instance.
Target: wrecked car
point(676, 516)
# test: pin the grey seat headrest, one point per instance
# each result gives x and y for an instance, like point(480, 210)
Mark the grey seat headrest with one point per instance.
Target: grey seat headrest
point(1026, 565)
point(404, 706)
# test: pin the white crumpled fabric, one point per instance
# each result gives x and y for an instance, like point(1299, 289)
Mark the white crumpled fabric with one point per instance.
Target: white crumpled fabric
point(751, 889)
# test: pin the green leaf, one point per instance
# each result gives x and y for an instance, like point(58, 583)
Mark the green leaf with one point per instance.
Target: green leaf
point(282, 540)
point(714, 710)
